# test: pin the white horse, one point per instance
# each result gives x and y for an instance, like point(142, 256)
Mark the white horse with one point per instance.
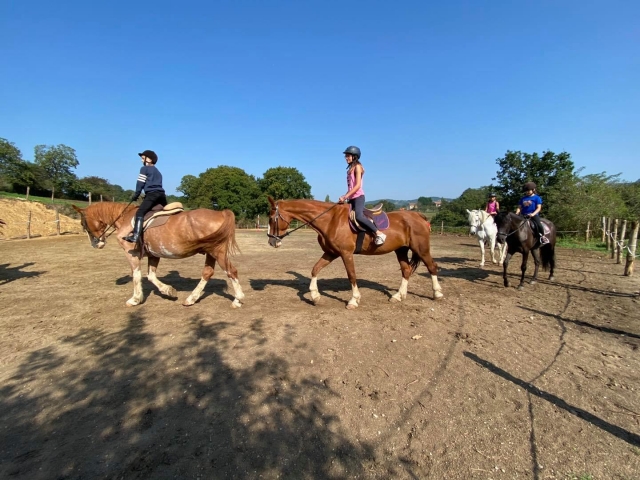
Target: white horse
point(483, 226)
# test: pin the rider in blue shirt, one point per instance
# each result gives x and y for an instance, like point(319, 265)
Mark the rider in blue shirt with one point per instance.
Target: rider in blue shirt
point(530, 206)
point(149, 180)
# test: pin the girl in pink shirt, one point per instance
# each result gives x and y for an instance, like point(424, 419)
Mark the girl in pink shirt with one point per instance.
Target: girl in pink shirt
point(355, 195)
point(493, 207)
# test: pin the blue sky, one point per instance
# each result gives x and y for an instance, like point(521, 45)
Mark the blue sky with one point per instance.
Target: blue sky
point(432, 92)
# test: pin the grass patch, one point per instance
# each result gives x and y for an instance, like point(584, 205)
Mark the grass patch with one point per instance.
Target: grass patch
point(44, 200)
point(568, 242)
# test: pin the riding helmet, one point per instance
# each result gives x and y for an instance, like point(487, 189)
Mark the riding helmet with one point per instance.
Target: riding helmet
point(150, 154)
point(528, 186)
point(492, 195)
point(355, 151)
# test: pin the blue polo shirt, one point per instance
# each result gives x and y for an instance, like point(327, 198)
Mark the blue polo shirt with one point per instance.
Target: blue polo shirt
point(528, 205)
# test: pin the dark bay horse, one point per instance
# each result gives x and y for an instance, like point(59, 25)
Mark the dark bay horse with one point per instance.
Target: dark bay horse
point(208, 232)
point(516, 232)
point(408, 231)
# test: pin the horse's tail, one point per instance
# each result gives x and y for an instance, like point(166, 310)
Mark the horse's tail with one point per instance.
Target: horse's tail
point(414, 263)
point(548, 256)
point(228, 233)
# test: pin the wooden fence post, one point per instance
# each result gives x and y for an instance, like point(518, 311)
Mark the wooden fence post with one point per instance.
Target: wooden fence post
point(588, 225)
point(28, 188)
point(608, 233)
point(631, 253)
point(614, 239)
point(57, 222)
point(604, 227)
point(89, 198)
point(442, 228)
point(29, 225)
point(100, 197)
point(621, 242)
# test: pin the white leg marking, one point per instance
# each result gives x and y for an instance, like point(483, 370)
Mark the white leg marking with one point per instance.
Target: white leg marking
point(237, 290)
point(401, 294)
point(437, 290)
point(197, 292)
point(313, 288)
point(137, 288)
point(355, 297)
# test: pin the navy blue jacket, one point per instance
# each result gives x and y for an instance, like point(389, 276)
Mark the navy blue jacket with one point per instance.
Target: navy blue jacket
point(149, 180)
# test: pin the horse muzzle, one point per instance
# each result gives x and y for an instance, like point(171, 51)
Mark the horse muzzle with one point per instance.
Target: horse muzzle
point(473, 230)
point(275, 242)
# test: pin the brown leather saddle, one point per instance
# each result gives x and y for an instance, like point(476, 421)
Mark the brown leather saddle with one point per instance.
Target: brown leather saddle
point(159, 215)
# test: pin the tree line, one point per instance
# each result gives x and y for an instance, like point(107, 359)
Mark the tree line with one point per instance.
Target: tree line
point(570, 199)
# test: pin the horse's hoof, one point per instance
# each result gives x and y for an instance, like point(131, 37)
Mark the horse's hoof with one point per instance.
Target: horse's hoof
point(437, 295)
point(532, 282)
point(520, 287)
point(352, 306)
point(171, 292)
point(236, 304)
point(132, 303)
point(315, 300)
point(188, 303)
point(395, 299)
point(552, 278)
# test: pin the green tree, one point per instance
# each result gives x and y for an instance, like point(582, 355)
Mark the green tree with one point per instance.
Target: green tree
point(327, 199)
point(454, 213)
point(388, 206)
point(224, 187)
point(424, 202)
point(11, 163)
point(579, 200)
point(284, 183)
point(57, 162)
point(517, 168)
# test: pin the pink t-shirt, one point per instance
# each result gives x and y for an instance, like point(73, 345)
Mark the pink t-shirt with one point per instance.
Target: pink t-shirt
point(491, 207)
point(351, 181)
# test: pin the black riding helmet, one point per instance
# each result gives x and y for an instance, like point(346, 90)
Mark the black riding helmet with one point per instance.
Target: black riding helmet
point(355, 151)
point(528, 186)
point(151, 155)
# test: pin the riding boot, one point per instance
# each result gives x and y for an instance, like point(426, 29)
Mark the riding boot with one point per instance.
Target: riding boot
point(135, 236)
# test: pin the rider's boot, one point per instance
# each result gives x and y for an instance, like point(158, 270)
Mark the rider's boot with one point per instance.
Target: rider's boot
point(134, 236)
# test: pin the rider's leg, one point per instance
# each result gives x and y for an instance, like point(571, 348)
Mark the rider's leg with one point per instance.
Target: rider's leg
point(364, 221)
point(540, 228)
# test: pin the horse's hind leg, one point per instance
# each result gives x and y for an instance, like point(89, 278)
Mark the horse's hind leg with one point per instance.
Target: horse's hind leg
point(232, 274)
point(163, 287)
point(433, 270)
point(325, 260)
point(481, 243)
point(403, 260)
point(207, 273)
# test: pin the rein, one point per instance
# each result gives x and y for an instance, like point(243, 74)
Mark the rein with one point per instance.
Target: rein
point(523, 223)
point(102, 235)
point(278, 215)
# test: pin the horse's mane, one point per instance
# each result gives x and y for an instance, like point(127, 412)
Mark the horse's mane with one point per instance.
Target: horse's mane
point(108, 210)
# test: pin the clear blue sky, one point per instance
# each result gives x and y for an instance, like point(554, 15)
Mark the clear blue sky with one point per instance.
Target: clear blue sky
point(432, 92)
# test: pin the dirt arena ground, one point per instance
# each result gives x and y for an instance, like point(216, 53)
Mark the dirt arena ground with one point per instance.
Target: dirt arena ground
point(489, 383)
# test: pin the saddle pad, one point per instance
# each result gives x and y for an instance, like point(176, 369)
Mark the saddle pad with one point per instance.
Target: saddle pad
point(545, 227)
point(158, 216)
point(380, 219)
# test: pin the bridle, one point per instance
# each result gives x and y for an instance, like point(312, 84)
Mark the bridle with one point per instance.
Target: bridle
point(104, 235)
point(522, 224)
point(277, 215)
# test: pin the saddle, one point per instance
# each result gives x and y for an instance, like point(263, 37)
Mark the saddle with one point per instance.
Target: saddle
point(376, 215)
point(534, 228)
point(159, 215)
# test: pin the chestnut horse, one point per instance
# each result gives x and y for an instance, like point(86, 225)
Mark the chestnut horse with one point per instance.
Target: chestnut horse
point(408, 231)
point(516, 232)
point(209, 232)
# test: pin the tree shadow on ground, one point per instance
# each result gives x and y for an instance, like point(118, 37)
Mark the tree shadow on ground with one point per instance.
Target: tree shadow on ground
point(614, 430)
point(125, 404)
point(600, 328)
point(10, 273)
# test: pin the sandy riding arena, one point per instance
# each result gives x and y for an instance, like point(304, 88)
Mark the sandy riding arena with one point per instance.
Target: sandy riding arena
point(488, 383)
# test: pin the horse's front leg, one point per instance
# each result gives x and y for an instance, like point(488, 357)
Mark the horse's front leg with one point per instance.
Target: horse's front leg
point(349, 264)
point(135, 259)
point(232, 274)
point(502, 250)
point(325, 260)
point(505, 265)
point(523, 268)
point(165, 289)
point(492, 242)
point(536, 260)
point(403, 260)
point(481, 242)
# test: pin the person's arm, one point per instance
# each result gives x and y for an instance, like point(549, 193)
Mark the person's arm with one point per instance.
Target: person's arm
point(142, 180)
point(356, 186)
point(497, 206)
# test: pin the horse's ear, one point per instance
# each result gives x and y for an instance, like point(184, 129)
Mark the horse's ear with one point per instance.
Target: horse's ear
point(468, 211)
point(272, 202)
point(78, 209)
